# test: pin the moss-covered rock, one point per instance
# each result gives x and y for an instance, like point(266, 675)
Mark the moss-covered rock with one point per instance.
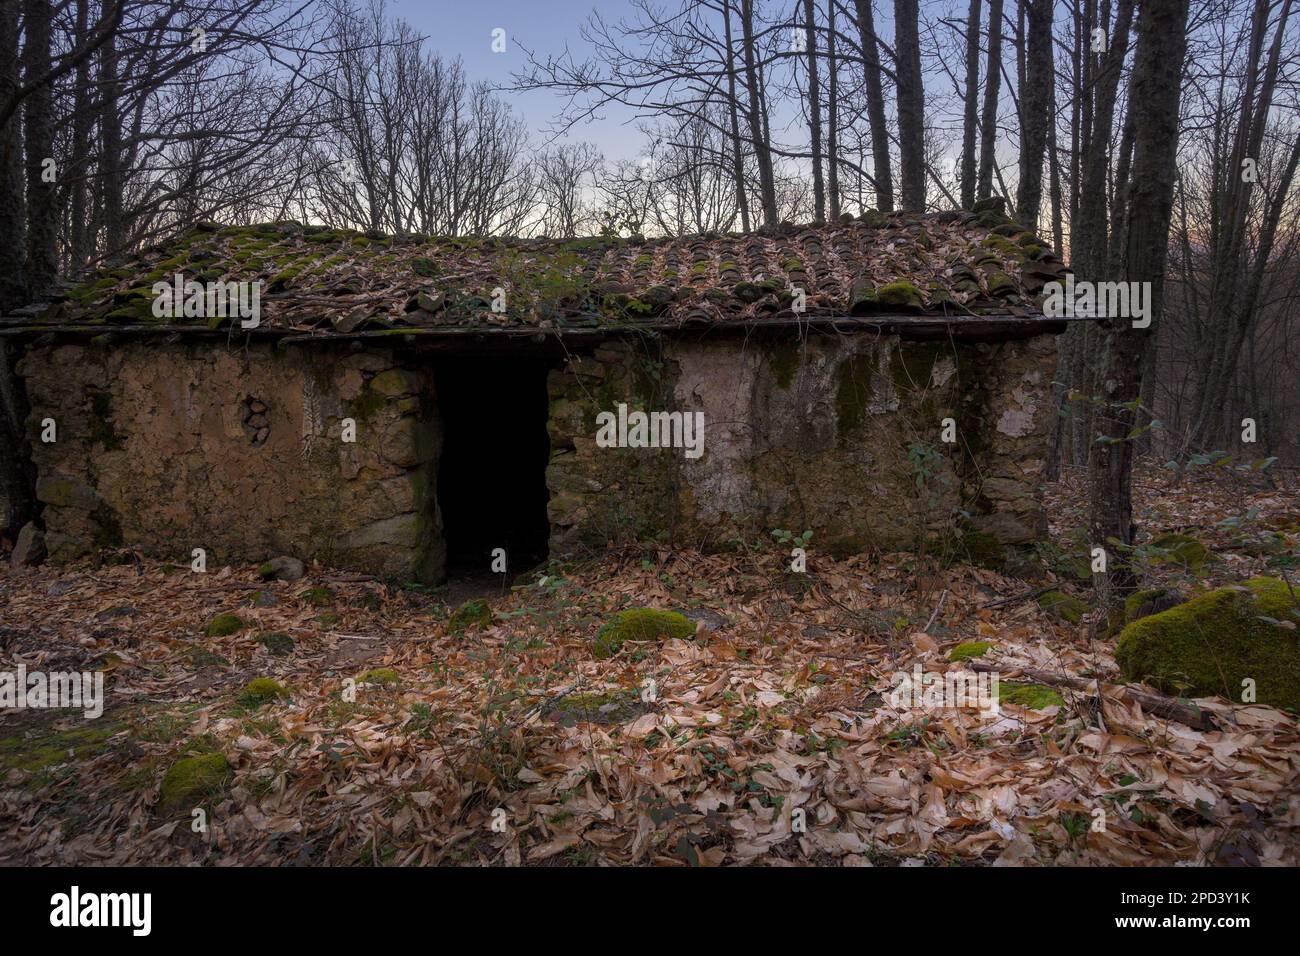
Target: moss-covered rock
point(1182, 550)
point(969, 649)
point(260, 690)
point(1213, 642)
point(475, 613)
point(640, 624)
point(224, 625)
point(191, 779)
point(1062, 605)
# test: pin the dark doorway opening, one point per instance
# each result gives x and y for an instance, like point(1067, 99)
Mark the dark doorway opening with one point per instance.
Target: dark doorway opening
point(492, 472)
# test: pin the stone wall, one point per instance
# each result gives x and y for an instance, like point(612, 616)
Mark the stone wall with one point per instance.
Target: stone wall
point(236, 450)
point(839, 435)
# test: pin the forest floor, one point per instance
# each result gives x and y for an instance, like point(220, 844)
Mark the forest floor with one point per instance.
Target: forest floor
point(403, 740)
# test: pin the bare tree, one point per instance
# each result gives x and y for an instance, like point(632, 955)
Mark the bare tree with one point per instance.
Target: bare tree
point(1148, 205)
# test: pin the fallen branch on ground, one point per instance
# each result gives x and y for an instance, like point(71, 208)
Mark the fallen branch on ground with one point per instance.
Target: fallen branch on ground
point(1157, 704)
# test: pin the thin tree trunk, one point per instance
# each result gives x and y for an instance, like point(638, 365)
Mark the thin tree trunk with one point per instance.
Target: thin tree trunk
point(737, 154)
point(1035, 110)
point(989, 121)
point(911, 105)
point(38, 130)
point(16, 480)
point(873, 78)
point(814, 113)
point(757, 131)
point(970, 118)
point(13, 286)
point(81, 238)
point(110, 135)
point(832, 116)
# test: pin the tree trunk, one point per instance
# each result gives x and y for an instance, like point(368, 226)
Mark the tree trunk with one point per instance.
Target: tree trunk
point(737, 154)
point(38, 130)
point(1092, 236)
point(873, 77)
point(757, 132)
point(110, 138)
point(970, 119)
point(989, 121)
point(81, 239)
point(1156, 85)
point(814, 113)
point(1035, 111)
point(911, 105)
point(832, 116)
point(13, 286)
point(16, 480)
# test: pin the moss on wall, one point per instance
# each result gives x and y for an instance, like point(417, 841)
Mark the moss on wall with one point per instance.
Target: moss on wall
point(853, 391)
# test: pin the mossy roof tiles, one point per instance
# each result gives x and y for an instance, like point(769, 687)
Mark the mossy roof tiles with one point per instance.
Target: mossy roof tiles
point(959, 265)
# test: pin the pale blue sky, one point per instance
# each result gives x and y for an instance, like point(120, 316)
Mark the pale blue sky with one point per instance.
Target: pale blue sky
point(464, 28)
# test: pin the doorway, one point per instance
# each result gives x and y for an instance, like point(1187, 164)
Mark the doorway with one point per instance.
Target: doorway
point(492, 473)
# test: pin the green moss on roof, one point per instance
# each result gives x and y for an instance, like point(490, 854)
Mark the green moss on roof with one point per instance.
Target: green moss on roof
point(313, 276)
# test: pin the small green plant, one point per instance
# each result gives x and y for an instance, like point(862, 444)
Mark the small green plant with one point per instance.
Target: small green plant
point(790, 538)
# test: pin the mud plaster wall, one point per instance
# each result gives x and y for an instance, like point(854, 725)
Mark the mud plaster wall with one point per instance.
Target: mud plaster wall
point(839, 435)
point(159, 449)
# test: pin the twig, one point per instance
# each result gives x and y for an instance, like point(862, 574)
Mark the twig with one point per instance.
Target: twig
point(1017, 598)
point(937, 608)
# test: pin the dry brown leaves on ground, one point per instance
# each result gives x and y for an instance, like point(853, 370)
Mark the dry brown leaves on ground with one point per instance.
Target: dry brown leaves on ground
point(513, 744)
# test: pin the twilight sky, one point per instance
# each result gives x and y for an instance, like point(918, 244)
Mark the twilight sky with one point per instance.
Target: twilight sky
point(464, 28)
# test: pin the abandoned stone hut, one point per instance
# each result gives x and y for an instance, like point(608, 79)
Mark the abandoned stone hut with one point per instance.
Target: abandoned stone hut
point(405, 405)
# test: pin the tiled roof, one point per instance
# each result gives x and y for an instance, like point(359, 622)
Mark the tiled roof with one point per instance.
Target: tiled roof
point(318, 279)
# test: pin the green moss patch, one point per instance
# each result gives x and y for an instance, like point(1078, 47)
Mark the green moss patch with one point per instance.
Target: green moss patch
point(1033, 696)
point(1215, 641)
point(224, 625)
point(640, 624)
point(613, 707)
point(191, 780)
point(261, 690)
point(1059, 604)
point(475, 613)
point(40, 747)
point(901, 294)
point(380, 675)
point(319, 596)
point(969, 649)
